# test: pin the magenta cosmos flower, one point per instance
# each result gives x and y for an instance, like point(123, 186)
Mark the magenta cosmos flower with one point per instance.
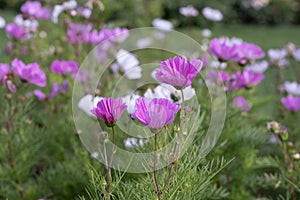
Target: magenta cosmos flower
point(178, 71)
point(291, 103)
point(248, 51)
point(235, 49)
point(64, 67)
point(79, 33)
point(4, 70)
point(249, 78)
point(225, 48)
point(157, 114)
point(35, 9)
point(17, 32)
point(6, 76)
point(109, 110)
point(241, 103)
point(245, 79)
point(30, 73)
point(42, 96)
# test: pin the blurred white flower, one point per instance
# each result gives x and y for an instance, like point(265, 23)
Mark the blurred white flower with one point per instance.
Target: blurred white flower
point(277, 57)
point(277, 54)
point(144, 42)
point(296, 54)
point(159, 92)
point(133, 143)
point(188, 11)
point(32, 24)
point(69, 5)
point(128, 64)
point(206, 33)
point(43, 34)
point(162, 24)
point(212, 14)
point(166, 91)
point(2, 22)
point(58, 9)
point(95, 155)
point(296, 156)
point(88, 102)
point(290, 47)
point(258, 67)
point(130, 101)
point(292, 87)
point(218, 64)
point(85, 12)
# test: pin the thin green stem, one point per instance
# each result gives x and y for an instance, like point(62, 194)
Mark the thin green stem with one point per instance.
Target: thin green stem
point(158, 193)
point(108, 164)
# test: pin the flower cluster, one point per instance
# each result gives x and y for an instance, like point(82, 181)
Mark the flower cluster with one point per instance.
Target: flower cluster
point(155, 110)
point(80, 33)
point(235, 50)
point(34, 9)
point(231, 53)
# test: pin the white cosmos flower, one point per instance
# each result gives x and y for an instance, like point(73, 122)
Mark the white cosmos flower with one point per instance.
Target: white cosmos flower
point(218, 65)
point(70, 5)
point(212, 14)
point(296, 54)
point(133, 142)
point(258, 67)
point(166, 91)
point(88, 102)
point(277, 54)
point(95, 155)
point(292, 88)
point(130, 101)
point(144, 42)
point(162, 24)
point(58, 9)
point(159, 92)
point(206, 33)
point(278, 57)
point(188, 11)
point(129, 64)
point(2, 22)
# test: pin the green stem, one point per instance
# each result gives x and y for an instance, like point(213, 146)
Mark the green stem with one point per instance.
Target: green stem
point(108, 164)
point(154, 166)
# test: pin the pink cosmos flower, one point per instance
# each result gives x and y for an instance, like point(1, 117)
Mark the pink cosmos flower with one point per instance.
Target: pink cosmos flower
point(17, 32)
point(235, 49)
point(241, 103)
point(42, 96)
point(30, 73)
point(178, 71)
point(6, 76)
point(249, 78)
point(79, 33)
point(157, 114)
point(64, 87)
point(221, 76)
point(225, 48)
point(109, 110)
point(248, 51)
point(114, 35)
point(35, 9)
point(64, 67)
point(291, 103)
point(245, 79)
point(4, 70)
